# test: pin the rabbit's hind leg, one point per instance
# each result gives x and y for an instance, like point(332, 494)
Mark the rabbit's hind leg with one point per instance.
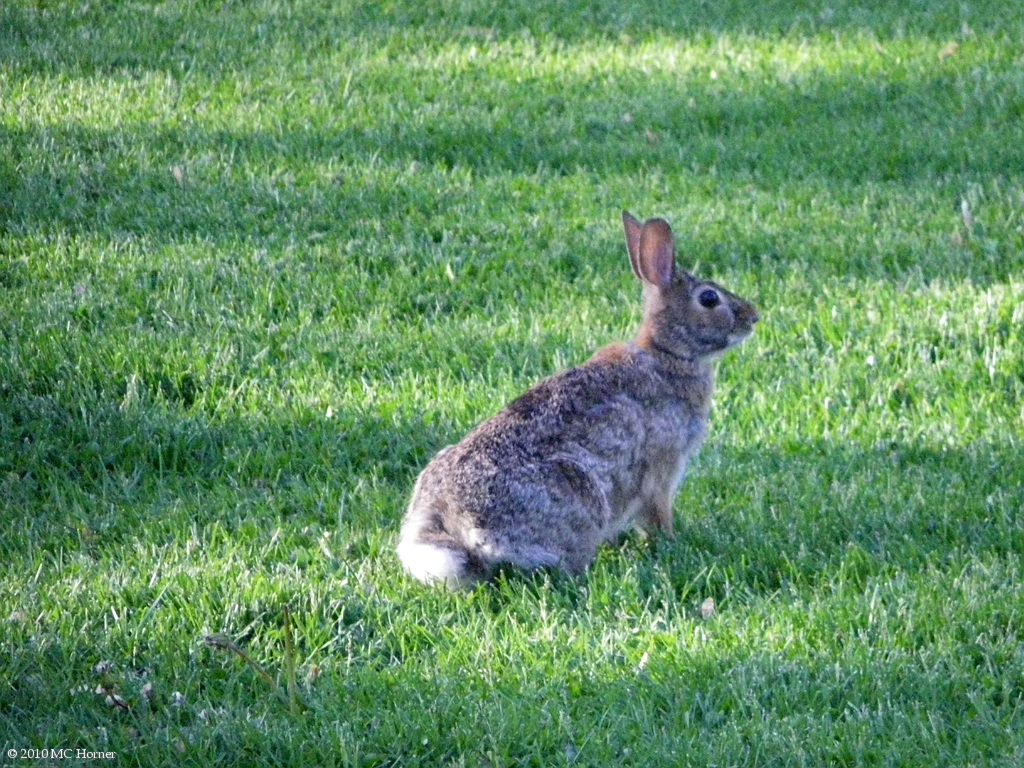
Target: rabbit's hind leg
point(555, 552)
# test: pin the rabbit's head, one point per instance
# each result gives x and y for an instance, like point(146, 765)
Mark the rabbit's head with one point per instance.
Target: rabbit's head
point(684, 316)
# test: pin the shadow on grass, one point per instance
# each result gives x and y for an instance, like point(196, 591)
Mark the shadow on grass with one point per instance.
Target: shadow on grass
point(96, 477)
point(919, 131)
point(266, 188)
point(755, 522)
point(894, 696)
point(718, 702)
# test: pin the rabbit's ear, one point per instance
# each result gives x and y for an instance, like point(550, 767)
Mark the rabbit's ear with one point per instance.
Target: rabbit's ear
point(656, 261)
point(633, 228)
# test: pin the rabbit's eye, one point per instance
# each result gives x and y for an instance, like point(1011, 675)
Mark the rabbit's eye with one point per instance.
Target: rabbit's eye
point(708, 298)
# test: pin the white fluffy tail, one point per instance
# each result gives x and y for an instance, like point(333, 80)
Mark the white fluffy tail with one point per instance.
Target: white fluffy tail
point(432, 563)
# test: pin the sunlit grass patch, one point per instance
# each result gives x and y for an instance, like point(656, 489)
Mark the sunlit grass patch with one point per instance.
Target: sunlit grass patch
point(260, 261)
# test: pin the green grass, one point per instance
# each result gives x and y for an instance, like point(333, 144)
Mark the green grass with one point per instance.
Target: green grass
point(259, 261)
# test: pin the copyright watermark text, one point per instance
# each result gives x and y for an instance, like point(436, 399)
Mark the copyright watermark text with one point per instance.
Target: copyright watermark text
point(58, 754)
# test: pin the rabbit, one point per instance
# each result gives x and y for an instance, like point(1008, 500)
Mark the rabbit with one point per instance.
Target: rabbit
point(588, 452)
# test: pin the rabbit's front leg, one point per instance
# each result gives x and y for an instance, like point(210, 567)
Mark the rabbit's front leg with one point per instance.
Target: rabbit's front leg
point(657, 516)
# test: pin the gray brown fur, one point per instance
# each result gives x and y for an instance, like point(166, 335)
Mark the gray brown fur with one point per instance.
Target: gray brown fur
point(588, 452)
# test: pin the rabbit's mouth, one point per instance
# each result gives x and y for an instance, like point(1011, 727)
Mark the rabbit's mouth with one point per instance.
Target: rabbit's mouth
point(743, 328)
point(738, 337)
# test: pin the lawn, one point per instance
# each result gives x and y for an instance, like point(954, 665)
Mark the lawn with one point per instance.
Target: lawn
point(260, 260)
